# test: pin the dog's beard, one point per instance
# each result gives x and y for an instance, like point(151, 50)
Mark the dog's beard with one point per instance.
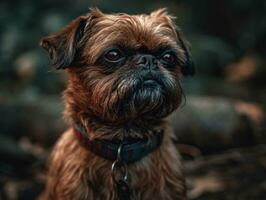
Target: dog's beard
point(137, 95)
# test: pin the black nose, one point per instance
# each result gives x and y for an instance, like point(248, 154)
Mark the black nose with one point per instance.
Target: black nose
point(147, 61)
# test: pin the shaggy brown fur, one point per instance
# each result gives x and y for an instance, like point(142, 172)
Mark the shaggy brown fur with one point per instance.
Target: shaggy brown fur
point(108, 102)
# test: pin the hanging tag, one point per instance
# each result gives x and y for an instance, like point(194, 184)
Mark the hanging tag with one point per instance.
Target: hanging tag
point(122, 190)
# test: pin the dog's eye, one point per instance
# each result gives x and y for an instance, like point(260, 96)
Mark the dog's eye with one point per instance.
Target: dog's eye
point(169, 58)
point(113, 55)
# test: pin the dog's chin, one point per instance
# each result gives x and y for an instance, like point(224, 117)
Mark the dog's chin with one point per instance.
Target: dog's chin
point(149, 99)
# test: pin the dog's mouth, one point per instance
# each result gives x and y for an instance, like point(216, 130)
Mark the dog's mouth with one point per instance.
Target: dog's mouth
point(150, 83)
point(150, 80)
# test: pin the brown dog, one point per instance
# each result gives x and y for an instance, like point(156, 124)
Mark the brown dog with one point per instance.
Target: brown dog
point(124, 73)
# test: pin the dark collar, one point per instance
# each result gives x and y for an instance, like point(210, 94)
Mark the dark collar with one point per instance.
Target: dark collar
point(132, 150)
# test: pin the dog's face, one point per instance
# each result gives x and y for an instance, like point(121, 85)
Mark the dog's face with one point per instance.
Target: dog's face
point(123, 67)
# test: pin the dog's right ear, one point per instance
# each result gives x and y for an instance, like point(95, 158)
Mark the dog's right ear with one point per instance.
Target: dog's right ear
point(188, 67)
point(63, 45)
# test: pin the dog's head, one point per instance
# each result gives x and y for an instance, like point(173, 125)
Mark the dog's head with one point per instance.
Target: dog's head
point(122, 67)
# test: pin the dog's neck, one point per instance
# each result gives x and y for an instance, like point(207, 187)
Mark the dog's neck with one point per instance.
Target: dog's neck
point(98, 129)
point(104, 138)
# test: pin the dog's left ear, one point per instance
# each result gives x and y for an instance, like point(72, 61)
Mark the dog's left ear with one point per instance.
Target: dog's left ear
point(187, 67)
point(63, 45)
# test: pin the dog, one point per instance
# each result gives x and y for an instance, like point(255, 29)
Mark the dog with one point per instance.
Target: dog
point(124, 80)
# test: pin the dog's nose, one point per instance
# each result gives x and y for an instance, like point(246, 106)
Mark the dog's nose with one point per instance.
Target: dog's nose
point(147, 61)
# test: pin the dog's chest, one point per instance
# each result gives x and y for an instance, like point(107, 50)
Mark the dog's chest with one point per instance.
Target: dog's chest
point(153, 177)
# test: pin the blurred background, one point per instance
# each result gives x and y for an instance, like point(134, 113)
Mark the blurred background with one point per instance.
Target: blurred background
point(221, 126)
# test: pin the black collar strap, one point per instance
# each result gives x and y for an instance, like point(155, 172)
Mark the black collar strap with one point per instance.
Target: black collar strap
point(132, 150)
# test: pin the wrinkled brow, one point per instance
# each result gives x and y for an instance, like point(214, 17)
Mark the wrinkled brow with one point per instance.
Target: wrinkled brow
point(131, 33)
